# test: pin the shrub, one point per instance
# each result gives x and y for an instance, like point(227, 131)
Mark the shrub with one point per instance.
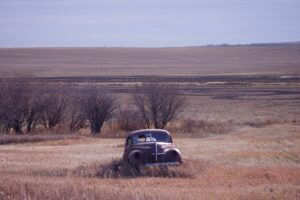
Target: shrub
point(158, 104)
point(15, 97)
point(129, 120)
point(98, 109)
point(55, 106)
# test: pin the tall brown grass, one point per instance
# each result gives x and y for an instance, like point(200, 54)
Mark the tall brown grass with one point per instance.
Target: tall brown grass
point(200, 128)
point(14, 139)
point(113, 169)
point(66, 189)
point(184, 128)
point(259, 123)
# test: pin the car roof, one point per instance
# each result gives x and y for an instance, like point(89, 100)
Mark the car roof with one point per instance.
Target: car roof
point(137, 132)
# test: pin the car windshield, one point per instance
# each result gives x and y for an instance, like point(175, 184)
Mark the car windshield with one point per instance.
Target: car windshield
point(151, 137)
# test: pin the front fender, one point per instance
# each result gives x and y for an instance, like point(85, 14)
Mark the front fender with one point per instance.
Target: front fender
point(173, 155)
point(136, 157)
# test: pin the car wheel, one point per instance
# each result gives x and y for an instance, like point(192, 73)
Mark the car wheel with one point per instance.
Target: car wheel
point(136, 160)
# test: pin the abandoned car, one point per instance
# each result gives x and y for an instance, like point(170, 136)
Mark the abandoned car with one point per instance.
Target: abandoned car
point(150, 147)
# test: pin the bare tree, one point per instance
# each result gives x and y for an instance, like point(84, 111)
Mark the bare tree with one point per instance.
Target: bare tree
point(15, 99)
point(2, 123)
point(99, 108)
point(54, 108)
point(34, 112)
point(129, 120)
point(158, 104)
point(76, 113)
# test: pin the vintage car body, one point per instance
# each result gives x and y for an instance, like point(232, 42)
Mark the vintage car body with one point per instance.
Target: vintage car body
point(150, 147)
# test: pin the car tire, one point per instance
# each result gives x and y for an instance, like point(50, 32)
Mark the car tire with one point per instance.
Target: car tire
point(136, 160)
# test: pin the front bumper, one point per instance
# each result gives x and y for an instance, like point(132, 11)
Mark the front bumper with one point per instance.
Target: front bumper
point(162, 164)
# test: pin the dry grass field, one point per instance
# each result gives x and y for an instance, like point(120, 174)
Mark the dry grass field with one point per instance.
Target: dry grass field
point(249, 163)
point(239, 132)
point(257, 59)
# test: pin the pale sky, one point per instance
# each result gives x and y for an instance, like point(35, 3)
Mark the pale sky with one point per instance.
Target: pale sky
point(146, 23)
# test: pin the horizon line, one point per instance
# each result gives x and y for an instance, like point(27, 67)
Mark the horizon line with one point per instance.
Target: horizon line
point(158, 47)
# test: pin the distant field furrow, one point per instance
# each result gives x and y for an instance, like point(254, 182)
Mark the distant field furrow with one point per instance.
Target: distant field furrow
point(270, 59)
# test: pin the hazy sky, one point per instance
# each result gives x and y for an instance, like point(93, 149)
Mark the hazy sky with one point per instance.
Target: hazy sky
point(147, 23)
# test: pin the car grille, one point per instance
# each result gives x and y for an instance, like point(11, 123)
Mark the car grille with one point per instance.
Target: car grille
point(152, 158)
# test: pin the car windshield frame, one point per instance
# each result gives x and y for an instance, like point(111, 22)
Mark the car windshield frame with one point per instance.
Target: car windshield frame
point(149, 136)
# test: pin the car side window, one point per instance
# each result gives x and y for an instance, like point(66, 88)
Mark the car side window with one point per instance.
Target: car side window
point(141, 138)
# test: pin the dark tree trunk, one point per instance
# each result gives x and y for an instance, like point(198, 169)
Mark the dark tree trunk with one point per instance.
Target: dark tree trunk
point(18, 128)
point(96, 127)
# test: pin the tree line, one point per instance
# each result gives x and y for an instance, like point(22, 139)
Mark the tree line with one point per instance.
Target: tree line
point(24, 106)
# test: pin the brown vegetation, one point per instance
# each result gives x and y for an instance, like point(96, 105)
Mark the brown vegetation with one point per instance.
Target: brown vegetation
point(76, 114)
point(99, 108)
point(201, 128)
point(257, 158)
point(17, 139)
point(15, 100)
point(27, 105)
point(252, 163)
point(158, 104)
point(55, 106)
point(113, 169)
point(129, 120)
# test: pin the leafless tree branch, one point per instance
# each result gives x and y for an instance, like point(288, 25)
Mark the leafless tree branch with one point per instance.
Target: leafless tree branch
point(158, 104)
